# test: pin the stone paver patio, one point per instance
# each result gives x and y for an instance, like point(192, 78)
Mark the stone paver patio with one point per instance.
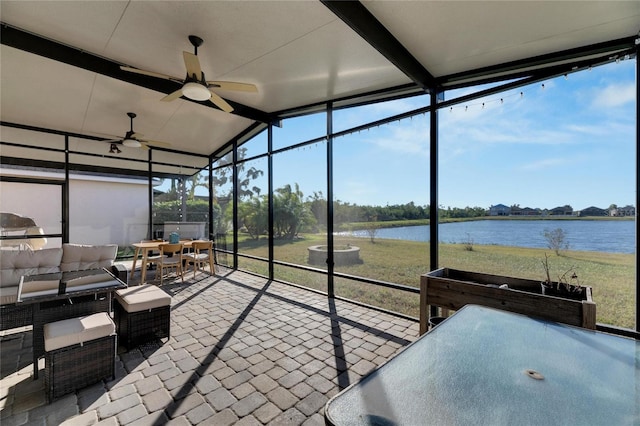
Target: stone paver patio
point(243, 350)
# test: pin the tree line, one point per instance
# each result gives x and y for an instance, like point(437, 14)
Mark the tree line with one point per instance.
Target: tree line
point(293, 211)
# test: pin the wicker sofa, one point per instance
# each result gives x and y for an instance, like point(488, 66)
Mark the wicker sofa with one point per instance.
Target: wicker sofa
point(70, 257)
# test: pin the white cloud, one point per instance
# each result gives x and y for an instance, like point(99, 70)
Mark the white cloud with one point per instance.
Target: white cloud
point(587, 129)
point(409, 138)
point(544, 164)
point(614, 95)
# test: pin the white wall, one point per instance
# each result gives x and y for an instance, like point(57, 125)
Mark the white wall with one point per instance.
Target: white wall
point(102, 210)
point(107, 211)
point(42, 203)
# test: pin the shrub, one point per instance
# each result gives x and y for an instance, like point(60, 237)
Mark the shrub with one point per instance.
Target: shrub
point(556, 239)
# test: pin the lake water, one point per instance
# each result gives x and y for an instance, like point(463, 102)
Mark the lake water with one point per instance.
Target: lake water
point(616, 236)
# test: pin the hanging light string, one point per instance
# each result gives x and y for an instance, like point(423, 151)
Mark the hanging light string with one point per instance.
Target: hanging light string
point(482, 103)
point(310, 145)
point(505, 97)
point(519, 95)
point(514, 95)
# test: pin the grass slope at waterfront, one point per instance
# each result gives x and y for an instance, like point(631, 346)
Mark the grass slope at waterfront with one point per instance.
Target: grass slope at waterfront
point(612, 275)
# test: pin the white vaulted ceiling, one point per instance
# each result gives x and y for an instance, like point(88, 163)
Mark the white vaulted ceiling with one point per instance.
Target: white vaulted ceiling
point(298, 53)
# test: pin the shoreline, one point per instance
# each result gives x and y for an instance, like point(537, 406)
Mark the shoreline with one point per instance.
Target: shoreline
point(359, 226)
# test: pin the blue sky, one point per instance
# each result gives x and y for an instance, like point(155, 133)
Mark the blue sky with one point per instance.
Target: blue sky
point(569, 142)
point(563, 141)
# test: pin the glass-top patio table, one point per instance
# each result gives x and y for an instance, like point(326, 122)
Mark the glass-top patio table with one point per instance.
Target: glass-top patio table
point(63, 295)
point(484, 366)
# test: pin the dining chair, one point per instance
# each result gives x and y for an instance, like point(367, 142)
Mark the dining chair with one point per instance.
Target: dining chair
point(171, 257)
point(152, 256)
point(201, 255)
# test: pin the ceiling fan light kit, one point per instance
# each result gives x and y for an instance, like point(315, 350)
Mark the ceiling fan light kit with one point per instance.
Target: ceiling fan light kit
point(196, 91)
point(131, 143)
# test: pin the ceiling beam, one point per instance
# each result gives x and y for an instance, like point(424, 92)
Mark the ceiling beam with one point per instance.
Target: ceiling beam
point(47, 48)
point(358, 17)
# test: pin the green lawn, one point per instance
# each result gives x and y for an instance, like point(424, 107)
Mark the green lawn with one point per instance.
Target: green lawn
point(611, 275)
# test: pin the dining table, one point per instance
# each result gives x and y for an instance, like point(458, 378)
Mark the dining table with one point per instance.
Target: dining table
point(483, 366)
point(143, 249)
point(63, 295)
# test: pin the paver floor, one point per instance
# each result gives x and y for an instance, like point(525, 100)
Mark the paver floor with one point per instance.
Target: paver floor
point(243, 350)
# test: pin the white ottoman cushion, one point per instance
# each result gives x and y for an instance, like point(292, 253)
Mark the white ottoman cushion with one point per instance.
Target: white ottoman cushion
point(142, 298)
point(73, 331)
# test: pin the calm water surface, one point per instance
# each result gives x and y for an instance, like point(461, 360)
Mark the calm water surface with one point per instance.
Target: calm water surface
point(616, 236)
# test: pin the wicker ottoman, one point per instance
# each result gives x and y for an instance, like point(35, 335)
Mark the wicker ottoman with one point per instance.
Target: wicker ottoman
point(142, 314)
point(79, 352)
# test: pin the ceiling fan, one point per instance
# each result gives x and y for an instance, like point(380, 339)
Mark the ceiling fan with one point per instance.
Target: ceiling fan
point(134, 140)
point(195, 86)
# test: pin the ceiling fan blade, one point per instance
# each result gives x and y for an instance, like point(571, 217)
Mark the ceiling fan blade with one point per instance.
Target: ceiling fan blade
point(150, 73)
point(220, 103)
point(192, 63)
point(232, 85)
point(136, 135)
point(113, 140)
point(154, 143)
point(172, 96)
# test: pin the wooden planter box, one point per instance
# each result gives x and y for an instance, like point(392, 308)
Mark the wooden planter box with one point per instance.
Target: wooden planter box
point(452, 289)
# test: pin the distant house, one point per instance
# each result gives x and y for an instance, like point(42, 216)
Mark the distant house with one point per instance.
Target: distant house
point(561, 211)
point(525, 211)
point(623, 211)
point(499, 210)
point(592, 211)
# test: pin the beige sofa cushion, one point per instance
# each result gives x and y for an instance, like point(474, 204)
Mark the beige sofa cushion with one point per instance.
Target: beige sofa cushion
point(142, 298)
point(16, 263)
point(73, 331)
point(78, 257)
